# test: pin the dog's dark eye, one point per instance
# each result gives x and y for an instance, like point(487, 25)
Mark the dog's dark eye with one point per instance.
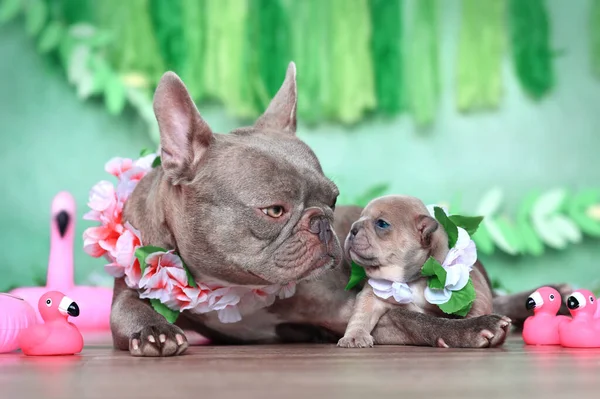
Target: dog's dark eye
point(275, 211)
point(382, 224)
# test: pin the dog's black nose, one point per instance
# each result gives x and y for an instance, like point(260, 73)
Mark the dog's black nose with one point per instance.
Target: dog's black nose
point(530, 303)
point(354, 231)
point(572, 303)
point(73, 309)
point(62, 219)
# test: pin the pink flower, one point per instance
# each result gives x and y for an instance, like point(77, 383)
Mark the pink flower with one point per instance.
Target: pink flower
point(102, 197)
point(117, 166)
point(125, 263)
point(102, 240)
point(165, 279)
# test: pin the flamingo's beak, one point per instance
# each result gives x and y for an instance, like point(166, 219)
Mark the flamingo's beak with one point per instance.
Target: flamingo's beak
point(68, 307)
point(62, 219)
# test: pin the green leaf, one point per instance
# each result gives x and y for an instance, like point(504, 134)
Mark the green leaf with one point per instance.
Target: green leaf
point(433, 268)
point(156, 162)
point(145, 152)
point(191, 281)
point(114, 95)
point(142, 253)
point(434, 282)
point(497, 236)
point(490, 203)
point(449, 226)
point(461, 301)
point(35, 16)
point(483, 240)
point(169, 314)
point(531, 243)
point(469, 223)
point(357, 274)
point(51, 37)
point(9, 9)
point(577, 210)
point(510, 234)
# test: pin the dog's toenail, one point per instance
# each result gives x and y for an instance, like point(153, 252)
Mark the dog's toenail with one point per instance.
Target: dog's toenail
point(487, 334)
point(151, 338)
point(162, 338)
point(135, 345)
point(179, 339)
point(442, 343)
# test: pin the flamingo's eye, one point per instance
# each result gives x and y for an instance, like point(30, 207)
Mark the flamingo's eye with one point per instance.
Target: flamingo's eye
point(551, 297)
point(48, 302)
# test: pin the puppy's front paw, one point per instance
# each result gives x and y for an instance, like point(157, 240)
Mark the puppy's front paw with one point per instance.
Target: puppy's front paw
point(356, 339)
point(158, 340)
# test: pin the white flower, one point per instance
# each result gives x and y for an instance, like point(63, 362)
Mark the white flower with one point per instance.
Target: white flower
point(385, 289)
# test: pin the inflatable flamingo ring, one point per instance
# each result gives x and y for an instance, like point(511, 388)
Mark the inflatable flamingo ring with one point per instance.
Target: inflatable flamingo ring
point(94, 302)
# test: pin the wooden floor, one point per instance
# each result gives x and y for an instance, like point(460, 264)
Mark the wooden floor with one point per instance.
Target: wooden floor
point(305, 371)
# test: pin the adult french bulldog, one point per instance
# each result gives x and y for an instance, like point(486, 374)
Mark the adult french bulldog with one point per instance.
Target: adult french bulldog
point(253, 207)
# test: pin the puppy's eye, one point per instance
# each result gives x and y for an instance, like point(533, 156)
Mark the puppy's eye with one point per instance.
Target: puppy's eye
point(382, 224)
point(48, 302)
point(551, 297)
point(273, 211)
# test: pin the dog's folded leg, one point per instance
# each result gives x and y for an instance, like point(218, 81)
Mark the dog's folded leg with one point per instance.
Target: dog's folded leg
point(402, 327)
point(141, 330)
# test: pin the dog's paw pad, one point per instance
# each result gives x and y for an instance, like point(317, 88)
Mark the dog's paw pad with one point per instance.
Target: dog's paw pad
point(357, 340)
point(158, 340)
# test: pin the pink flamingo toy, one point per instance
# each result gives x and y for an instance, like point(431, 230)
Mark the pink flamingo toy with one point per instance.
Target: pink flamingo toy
point(583, 331)
point(542, 327)
point(94, 302)
point(56, 336)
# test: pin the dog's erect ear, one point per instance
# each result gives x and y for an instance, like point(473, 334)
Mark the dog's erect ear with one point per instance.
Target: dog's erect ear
point(281, 113)
point(426, 226)
point(184, 136)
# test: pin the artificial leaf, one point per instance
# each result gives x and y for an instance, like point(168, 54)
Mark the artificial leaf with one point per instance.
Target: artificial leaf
point(156, 162)
point(50, 37)
point(143, 252)
point(35, 16)
point(85, 85)
point(469, 223)
point(9, 9)
point(568, 229)
point(530, 241)
point(432, 268)
point(357, 274)
point(169, 314)
point(78, 63)
point(509, 232)
point(146, 151)
point(448, 225)
point(483, 240)
point(577, 209)
point(114, 94)
point(490, 202)
point(435, 283)
point(498, 238)
point(461, 301)
point(191, 281)
point(549, 203)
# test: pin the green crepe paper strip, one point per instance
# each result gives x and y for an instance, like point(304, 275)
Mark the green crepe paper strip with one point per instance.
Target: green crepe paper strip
point(270, 38)
point(530, 39)
point(594, 26)
point(422, 61)
point(228, 72)
point(351, 74)
point(310, 49)
point(167, 22)
point(135, 48)
point(357, 274)
point(386, 43)
point(194, 39)
point(480, 53)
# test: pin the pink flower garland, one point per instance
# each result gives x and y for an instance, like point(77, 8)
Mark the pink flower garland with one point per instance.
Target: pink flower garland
point(164, 276)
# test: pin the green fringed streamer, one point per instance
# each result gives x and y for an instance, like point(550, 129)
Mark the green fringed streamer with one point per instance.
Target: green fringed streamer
point(227, 75)
point(530, 36)
point(480, 54)
point(269, 33)
point(309, 52)
point(386, 18)
point(135, 49)
point(193, 30)
point(422, 61)
point(167, 22)
point(351, 75)
point(595, 37)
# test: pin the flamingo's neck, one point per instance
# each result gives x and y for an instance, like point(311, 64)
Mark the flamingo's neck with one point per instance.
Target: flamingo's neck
point(60, 265)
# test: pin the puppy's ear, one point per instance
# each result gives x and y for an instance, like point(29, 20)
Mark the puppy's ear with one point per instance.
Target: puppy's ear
point(281, 113)
point(426, 226)
point(184, 136)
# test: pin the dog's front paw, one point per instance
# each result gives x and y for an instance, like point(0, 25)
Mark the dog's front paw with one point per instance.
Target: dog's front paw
point(158, 340)
point(356, 339)
point(479, 332)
